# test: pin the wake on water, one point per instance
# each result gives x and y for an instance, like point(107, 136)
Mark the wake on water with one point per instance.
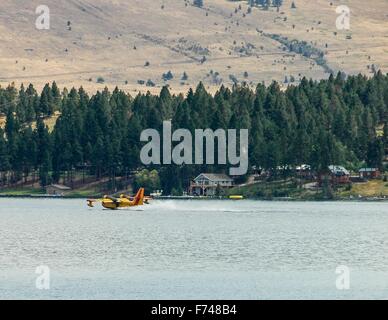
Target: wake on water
point(192, 206)
point(185, 206)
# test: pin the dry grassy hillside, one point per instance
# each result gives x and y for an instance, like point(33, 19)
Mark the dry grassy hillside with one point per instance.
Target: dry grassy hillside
point(126, 42)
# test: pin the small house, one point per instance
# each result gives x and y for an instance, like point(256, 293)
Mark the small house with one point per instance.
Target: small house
point(304, 171)
point(206, 184)
point(339, 175)
point(335, 175)
point(369, 173)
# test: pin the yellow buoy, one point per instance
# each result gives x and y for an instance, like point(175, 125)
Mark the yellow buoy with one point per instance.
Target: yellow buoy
point(236, 197)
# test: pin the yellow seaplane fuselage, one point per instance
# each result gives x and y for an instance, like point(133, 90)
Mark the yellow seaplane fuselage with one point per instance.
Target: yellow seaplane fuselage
point(124, 201)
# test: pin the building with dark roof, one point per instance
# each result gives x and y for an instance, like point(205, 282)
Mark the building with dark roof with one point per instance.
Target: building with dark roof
point(369, 173)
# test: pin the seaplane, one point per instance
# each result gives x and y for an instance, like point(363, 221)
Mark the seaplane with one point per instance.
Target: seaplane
point(124, 201)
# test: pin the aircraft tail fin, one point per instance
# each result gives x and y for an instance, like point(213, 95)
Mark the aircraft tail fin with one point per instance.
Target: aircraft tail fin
point(139, 198)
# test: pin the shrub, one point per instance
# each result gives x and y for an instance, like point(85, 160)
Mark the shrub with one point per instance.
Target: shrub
point(198, 3)
point(185, 77)
point(167, 76)
point(150, 83)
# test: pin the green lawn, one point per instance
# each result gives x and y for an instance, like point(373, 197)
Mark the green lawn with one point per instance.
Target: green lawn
point(372, 188)
point(21, 191)
point(275, 189)
point(288, 188)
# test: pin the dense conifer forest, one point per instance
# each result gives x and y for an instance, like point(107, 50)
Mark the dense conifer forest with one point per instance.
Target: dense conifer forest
point(341, 120)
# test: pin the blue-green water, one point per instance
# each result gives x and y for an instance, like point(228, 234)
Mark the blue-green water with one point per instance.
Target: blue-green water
point(193, 250)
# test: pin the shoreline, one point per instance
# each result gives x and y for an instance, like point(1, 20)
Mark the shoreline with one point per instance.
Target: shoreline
point(187, 198)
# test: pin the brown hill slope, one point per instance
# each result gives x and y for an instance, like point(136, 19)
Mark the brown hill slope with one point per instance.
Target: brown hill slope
point(127, 43)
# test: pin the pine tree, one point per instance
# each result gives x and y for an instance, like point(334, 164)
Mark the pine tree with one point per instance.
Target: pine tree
point(4, 157)
point(43, 152)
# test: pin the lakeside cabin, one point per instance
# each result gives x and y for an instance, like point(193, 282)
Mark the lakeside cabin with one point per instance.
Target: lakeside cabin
point(339, 174)
point(369, 173)
point(336, 175)
point(304, 171)
point(57, 190)
point(206, 184)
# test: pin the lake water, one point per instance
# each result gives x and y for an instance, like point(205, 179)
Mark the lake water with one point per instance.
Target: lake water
point(193, 250)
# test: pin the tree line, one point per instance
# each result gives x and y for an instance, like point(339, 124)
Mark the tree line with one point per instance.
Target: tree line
point(266, 3)
point(340, 120)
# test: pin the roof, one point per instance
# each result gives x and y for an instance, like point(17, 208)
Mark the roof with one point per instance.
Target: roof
point(368, 169)
point(215, 177)
point(338, 170)
point(59, 186)
point(303, 167)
